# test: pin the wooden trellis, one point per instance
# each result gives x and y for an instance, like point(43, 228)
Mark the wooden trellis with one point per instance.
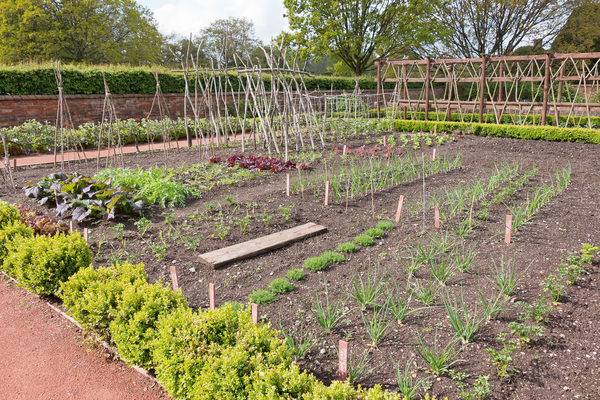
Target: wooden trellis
point(518, 86)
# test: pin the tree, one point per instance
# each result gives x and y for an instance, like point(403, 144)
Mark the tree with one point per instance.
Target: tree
point(225, 37)
point(498, 27)
point(92, 31)
point(356, 32)
point(581, 33)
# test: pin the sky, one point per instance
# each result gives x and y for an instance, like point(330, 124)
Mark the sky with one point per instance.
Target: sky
point(190, 16)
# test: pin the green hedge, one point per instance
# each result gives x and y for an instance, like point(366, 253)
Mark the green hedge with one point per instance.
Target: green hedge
point(32, 79)
point(549, 133)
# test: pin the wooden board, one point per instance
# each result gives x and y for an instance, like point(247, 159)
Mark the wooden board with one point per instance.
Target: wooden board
point(240, 251)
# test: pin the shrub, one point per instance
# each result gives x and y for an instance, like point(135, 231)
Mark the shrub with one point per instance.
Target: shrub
point(375, 233)
point(9, 232)
point(280, 285)
point(8, 213)
point(364, 240)
point(385, 225)
point(348, 247)
point(262, 297)
point(296, 274)
point(133, 326)
point(93, 295)
point(41, 263)
point(184, 340)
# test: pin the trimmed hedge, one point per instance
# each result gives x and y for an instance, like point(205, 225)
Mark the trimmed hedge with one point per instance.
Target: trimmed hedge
point(32, 79)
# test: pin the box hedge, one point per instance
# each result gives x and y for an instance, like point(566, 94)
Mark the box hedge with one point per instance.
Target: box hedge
point(9, 232)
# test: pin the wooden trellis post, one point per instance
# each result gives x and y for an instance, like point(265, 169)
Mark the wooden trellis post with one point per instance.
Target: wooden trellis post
point(546, 87)
point(482, 87)
point(427, 88)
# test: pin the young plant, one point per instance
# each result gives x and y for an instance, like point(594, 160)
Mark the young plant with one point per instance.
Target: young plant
point(502, 358)
point(285, 211)
point(493, 305)
point(410, 265)
point(442, 243)
point(377, 325)
point(327, 314)
point(385, 225)
point(299, 341)
point(442, 271)
point(439, 359)
point(536, 312)
point(280, 285)
point(230, 199)
point(364, 240)
point(367, 291)
point(358, 369)
point(506, 277)
point(262, 297)
point(465, 324)
point(295, 274)
point(399, 303)
point(321, 262)
point(463, 257)
point(406, 385)
point(525, 333)
point(265, 218)
point(120, 233)
point(221, 230)
point(424, 253)
point(425, 291)
point(555, 288)
point(142, 225)
point(481, 388)
point(243, 223)
point(375, 233)
point(348, 247)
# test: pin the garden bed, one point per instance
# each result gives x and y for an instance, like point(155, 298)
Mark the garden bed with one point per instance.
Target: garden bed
point(562, 361)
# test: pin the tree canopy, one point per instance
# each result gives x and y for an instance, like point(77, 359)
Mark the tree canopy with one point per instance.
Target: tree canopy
point(357, 32)
point(498, 27)
point(225, 37)
point(90, 31)
point(581, 33)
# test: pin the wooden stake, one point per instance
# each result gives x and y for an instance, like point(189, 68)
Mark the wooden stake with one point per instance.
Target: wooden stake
point(85, 234)
point(71, 226)
point(508, 229)
point(174, 280)
point(384, 141)
point(15, 164)
point(433, 157)
point(399, 211)
point(344, 150)
point(437, 217)
point(211, 296)
point(287, 185)
point(326, 193)
point(255, 313)
point(343, 368)
point(435, 129)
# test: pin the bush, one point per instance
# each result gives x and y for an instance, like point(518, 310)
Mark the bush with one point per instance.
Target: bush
point(348, 247)
point(296, 274)
point(9, 232)
point(315, 263)
point(262, 297)
point(364, 240)
point(184, 340)
point(385, 225)
point(133, 326)
point(8, 213)
point(375, 233)
point(41, 263)
point(280, 285)
point(331, 257)
point(93, 295)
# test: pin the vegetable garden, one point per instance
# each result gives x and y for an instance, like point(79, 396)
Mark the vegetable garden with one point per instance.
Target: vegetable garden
point(453, 311)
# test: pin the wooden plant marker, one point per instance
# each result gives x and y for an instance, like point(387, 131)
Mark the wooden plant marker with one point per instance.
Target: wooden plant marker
point(435, 129)
point(211, 296)
point(343, 368)
point(15, 164)
point(85, 234)
point(344, 150)
point(287, 185)
point(71, 226)
point(174, 280)
point(433, 157)
point(326, 193)
point(250, 248)
point(508, 228)
point(437, 217)
point(255, 313)
point(384, 141)
point(399, 211)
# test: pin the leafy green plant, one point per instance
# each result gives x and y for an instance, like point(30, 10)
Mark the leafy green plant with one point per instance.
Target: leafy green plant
point(285, 211)
point(439, 359)
point(262, 297)
point(587, 252)
point(323, 261)
point(295, 274)
point(142, 225)
point(221, 230)
point(536, 312)
point(41, 263)
point(265, 218)
point(243, 223)
point(348, 247)
point(555, 288)
point(120, 233)
point(327, 314)
point(525, 332)
point(13, 231)
point(364, 240)
point(191, 243)
point(505, 276)
point(8, 213)
point(481, 388)
point(230, 199)
point(503, 357)
point(406, 384)
point(280, 285)
point(385, 225)
point(375, 233)
point(212, 207)
point(41, 223)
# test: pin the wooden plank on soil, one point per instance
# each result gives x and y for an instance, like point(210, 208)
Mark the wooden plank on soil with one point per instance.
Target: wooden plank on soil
point(240, 251)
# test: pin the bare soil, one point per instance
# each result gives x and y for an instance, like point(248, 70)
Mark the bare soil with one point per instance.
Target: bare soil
point(561, 364)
